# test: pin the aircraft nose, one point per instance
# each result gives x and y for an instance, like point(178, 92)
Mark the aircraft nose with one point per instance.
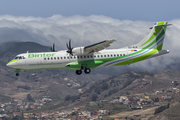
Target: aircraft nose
point(10, 64)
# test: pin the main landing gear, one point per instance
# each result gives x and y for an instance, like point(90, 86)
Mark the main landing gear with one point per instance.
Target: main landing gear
point(86, 70)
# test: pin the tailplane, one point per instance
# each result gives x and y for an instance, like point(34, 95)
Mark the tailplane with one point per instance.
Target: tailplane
point(155, 38)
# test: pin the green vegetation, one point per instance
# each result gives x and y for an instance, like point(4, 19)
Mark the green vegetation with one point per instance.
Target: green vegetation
point(29, 97)
point(71, 98)
point(161, 108)
point(94, 97)
point(24, 87)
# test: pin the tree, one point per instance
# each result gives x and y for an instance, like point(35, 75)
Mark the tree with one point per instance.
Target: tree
point(94, 97)
point(67, 98)
point(156, 99)
point(105, 86)
point(29, 97)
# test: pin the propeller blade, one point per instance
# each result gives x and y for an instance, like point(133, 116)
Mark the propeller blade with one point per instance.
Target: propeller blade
point(70, 43)
point(53, 47)
point(67, 46)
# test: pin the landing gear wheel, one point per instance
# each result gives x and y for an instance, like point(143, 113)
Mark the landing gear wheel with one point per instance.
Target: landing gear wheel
point(78, 72)
point(87, 70)
point(17, 74)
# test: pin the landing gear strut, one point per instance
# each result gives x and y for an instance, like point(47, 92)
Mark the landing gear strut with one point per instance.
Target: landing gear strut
point(17, 72)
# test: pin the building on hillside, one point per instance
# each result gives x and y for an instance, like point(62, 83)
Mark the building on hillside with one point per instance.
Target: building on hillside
point(79, 117)
point(156, 104)
point(16, 113)
point(103, 101)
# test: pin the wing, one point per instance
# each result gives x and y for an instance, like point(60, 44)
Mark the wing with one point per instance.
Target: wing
point(98, 46)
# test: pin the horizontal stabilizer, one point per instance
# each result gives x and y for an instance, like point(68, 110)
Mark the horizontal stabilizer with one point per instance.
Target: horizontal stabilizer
point(163, 25)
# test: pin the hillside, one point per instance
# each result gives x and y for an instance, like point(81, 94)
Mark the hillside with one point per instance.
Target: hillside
point(69, 90)
point(132, 83)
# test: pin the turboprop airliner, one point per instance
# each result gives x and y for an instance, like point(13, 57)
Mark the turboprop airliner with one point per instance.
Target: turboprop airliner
point(95, 55)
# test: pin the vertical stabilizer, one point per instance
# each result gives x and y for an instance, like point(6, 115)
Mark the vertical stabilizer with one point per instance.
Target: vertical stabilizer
point(155, 39)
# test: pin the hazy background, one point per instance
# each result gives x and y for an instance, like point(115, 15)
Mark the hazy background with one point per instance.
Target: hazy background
point(88, 22)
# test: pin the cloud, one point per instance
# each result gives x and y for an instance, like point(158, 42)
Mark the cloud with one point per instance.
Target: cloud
point(88, 30)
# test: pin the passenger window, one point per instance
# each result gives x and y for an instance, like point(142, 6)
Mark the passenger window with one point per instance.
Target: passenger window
point(114, 55)
point(81, 57)
point(120, 54)
point(87, 56)
point(61, 57)
point(58, 58)
point(101, 55)
point(111, 55)
point(84, 56)
point(48, 58)
point(44, 58)
point(74, 57)
point(64, 57)
point(117, 54)
point(51, 58)
point(98, 55)
point(104, 55)
point(91, 56)
point(108, 55)
point(71, 57)
point(78, 57)
point(55, 58)
point(94, 56)
point(123, 54)
point(67, 57)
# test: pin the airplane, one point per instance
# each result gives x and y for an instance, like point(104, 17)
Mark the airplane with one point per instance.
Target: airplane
point(95, 55)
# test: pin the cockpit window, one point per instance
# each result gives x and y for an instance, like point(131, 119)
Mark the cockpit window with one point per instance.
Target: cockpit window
point(19, 57)
point(16, 58)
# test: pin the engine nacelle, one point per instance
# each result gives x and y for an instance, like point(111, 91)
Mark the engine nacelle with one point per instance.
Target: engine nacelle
point(79, 51)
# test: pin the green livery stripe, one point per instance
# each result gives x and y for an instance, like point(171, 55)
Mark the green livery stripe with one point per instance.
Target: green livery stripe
point(160, 23)
point(155, 41)
point(137, 59)
point(19, 69)
point(96, 63)
point(153, 35)
point(157, 30)
point(14, 60)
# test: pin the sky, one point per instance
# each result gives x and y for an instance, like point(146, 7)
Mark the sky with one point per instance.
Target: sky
point(88, 22)
point(146, 10)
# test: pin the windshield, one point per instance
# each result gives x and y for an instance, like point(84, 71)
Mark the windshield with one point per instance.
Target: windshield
point(19, 57)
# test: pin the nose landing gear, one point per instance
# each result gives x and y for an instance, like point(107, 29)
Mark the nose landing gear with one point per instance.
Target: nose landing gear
point(17, 74)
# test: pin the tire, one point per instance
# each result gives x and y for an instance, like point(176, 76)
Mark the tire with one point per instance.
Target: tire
point(78, 72)
point(87, 70)
point(17, 74)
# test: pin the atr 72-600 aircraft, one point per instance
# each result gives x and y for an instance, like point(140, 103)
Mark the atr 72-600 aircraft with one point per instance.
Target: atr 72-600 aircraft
point(93, 56)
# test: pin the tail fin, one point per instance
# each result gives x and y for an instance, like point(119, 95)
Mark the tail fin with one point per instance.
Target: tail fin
point(155, 38)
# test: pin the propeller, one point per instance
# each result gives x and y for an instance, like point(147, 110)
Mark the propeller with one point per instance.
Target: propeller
point(53, 47)
point(69, 48)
